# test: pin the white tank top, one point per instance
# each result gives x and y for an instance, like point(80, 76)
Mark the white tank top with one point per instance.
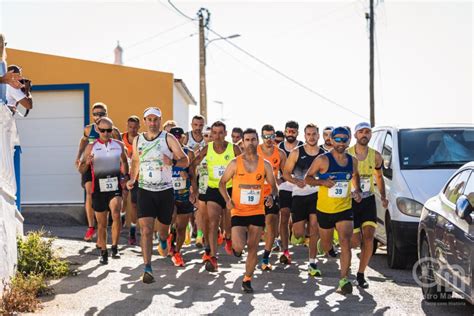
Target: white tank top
point(106, 165)
point(192, 143)
point(154, 174)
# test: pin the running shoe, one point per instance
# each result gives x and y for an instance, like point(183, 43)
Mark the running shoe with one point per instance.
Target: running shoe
point(199, 243)
point(90, 234)
point(115, 253)
point(205, 257)
point(211, 264)
point(345, 287)
point(104, 257)
point(247, 287)
point(228, 246)
point(313, 270)
point(265, 265)
point(147, 278)
point(285, 258)
point(177, 260)
point(161, 251)
point(332, 252)
point(187, 239)
point(276, 245)
point(132, 240)
point(220, 238)
point(361, 282)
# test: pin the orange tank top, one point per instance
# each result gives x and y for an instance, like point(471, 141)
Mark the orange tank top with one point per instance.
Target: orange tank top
point(127, 145)
point(274, 160)
point(247, 190)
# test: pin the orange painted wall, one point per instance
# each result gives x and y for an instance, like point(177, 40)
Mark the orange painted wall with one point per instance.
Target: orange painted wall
point(125, 90)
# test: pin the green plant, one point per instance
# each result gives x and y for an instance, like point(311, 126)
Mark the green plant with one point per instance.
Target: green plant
point(36, 256)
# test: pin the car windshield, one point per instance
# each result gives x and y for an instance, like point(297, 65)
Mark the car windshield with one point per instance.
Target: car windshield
point(436, 148)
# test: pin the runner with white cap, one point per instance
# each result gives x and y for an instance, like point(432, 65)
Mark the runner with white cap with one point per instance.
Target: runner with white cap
point(155, 153)
point(365, 213)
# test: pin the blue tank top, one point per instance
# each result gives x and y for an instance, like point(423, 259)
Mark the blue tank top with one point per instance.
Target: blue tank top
point(93, 134)
point(341, 173)
point(181, 186)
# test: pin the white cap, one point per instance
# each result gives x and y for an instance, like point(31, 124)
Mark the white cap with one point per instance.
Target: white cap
point(362, 126)
point(154, 111)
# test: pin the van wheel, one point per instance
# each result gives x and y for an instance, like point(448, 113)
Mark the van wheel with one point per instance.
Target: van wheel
point(376, 244)
point(430, 289)
point(395, 258)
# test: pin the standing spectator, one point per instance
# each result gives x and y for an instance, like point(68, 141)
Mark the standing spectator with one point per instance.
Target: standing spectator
point(15, 96)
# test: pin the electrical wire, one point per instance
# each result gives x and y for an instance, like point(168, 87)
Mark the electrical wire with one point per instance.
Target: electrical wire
point(180, 12)
point(156, 35)
point(161, 47)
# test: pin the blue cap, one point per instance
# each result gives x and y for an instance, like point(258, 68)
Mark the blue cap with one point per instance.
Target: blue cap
point(340, 130)
point(362, 126)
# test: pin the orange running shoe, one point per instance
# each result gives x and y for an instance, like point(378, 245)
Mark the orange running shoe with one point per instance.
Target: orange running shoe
point(205, 257)
point(220, 238)
point(177, 260)
point(228, 246)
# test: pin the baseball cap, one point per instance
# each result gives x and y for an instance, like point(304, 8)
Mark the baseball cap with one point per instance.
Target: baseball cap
point(177, 132)
point(152, 110)
point(340, 130)
point(362, 125)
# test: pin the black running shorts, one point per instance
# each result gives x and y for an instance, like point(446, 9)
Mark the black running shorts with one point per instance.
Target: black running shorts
point(184, 207)
point(213, 195)
point(255, 220)
point(158, 205)
point(365, 213)
point(285, 198)
point(328, 220)
point(101, 200)
point(302, 206)
point(86, 177)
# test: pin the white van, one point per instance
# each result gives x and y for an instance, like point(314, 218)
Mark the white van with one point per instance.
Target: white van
point(417, 162)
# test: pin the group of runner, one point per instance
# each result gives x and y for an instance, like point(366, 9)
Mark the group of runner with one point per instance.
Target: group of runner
point(233, 192)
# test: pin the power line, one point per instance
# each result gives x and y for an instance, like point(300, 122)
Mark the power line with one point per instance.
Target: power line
point(287, 77)
point(180, 12)
point(161, 47)
point(157, 35)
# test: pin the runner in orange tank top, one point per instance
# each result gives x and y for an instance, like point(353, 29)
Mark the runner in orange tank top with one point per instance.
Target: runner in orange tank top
point(248, 173)
point(277, 158)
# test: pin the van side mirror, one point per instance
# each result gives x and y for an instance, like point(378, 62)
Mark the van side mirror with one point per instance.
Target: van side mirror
point(387, 168)
point(464, 209)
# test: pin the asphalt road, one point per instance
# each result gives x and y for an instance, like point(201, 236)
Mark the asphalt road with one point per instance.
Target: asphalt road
point(116, 289)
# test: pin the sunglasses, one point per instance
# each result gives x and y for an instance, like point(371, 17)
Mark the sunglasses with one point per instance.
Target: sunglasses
point(272, 136)
point(341, 139)
point(100, 114)
point(104, 130)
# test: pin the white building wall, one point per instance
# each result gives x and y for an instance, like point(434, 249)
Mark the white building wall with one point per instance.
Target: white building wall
point(180, 109)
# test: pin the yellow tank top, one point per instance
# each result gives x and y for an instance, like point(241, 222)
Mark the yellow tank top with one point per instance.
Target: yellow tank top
point(216, 164)
point(366, 169)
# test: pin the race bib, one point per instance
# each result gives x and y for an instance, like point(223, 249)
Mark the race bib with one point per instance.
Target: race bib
point(250, 196)
point(108, 184)
point(339, 190)
point(179, 183)
point(219, 171)
point(152, 175)
point(365, 185)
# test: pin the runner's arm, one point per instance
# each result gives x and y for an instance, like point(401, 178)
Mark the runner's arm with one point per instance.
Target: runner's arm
point(180, 158)
point(123, 159)
point(135, 165)
point(270, 177)
point(82, 145)
point(289, 166)
point(379, 176)
point(196, 161)
point(355, 174)
point(228, 174)
point(282, 164)
point(86, 159)
point(191, 172)
point(320, 164)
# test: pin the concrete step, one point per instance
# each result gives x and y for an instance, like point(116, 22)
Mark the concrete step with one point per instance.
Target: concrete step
point(54, 214)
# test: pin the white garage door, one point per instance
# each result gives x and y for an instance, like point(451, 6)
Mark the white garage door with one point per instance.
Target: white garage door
point(49, 138)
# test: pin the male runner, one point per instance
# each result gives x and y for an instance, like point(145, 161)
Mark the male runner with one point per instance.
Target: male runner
point(194, 139)
point(99, 110)
point(277, 158)
point(335, 170)
point(279, 137)
point(327, 146)
point(237, 135)
point(218, 154)
point(248, 173)
point(365, 213)
point(183, 206)
point(154, 154)
point(286, 188)
point(103, 157)
point(305, 197)
point(133, 126)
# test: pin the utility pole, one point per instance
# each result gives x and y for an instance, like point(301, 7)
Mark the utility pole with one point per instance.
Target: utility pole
point(372, 92)
point(203, 15)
